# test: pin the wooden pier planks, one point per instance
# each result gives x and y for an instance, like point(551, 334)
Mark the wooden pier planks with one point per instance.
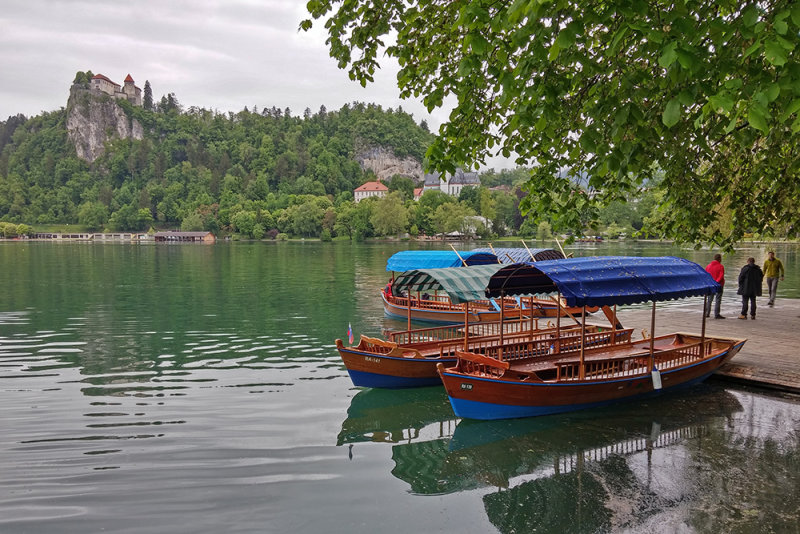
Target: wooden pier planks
point(771, 356)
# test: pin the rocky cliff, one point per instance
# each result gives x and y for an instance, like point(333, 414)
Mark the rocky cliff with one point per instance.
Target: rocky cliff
point(94, 120)
point(385, 164)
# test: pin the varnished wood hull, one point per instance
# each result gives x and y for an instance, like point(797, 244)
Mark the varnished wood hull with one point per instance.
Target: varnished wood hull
point(456, 314)
point(371, 370)
point(506, 397)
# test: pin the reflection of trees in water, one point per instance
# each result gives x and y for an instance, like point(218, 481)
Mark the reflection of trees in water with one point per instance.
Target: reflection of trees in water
point(397, 415)
point(750, 476)
point(591, 490)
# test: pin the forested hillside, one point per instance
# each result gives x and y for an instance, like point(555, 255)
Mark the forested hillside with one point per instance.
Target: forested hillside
point(255, 174)
point(194, 163)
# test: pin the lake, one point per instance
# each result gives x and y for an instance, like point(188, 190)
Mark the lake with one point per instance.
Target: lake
point(190, 388)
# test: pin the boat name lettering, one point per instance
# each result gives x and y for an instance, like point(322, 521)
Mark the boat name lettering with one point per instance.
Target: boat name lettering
point(466, 386)
point(373, 360)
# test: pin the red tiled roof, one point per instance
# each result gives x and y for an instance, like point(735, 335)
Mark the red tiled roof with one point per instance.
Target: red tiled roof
point(372, 186)
point(101, 77)
point(128, 79)
point(417, 191)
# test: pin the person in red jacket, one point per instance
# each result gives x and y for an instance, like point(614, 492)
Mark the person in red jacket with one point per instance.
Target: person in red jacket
point(717, 272)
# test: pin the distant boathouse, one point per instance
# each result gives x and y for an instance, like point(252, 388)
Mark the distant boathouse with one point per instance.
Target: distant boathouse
point(158, 237)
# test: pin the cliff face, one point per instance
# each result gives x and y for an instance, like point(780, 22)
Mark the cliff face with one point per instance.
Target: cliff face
point(385, 164)
point(94, 120)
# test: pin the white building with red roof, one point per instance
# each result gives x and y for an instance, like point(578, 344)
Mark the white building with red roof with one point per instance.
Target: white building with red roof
point(370, 189)
point(128, 91)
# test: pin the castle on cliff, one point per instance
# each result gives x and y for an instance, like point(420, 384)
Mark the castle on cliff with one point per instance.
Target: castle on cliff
point(128, 91)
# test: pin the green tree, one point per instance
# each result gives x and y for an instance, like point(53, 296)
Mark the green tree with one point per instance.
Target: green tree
point(390, 215)
point(451, 217)
point(615, 92)
point(404, 184)
point(147, 99)
point(192, 223)
point(93, 215)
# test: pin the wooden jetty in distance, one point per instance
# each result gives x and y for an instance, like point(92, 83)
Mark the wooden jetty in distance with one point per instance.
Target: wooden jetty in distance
point(769, 359)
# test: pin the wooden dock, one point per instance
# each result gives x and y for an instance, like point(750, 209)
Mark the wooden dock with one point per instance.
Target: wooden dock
point(771, 356)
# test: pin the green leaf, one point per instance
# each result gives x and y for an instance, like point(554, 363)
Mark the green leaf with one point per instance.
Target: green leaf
point(668, 55)
point(773, 91)
point(672, 113)
point(553, 52)
point(721, 102)
point(775, 53)
point(781, 27)
point(793, 107)
point(753, 48)
point(757, 116)
point(750, 15)
point(796, 126)
point(796, 15)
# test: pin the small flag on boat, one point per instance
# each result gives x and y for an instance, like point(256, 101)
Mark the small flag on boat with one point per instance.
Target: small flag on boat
point(349, 333)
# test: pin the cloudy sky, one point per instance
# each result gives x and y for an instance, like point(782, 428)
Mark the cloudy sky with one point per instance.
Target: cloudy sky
point(217, 54)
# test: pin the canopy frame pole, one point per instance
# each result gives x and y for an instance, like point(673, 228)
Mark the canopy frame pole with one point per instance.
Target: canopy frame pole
point(703, 329)
point(502, 324)
point(408, 308)
point(529, 250)
point(466, 326)
point(582, 366)
point(459, 255)
point(558, 323)
point(562, 248)
point(613, 326)
point(653, 337)
point(530, 306)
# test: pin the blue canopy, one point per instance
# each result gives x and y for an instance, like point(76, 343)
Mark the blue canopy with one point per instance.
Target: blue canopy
point(522, 255)
point(608, 280)
point(406, 260)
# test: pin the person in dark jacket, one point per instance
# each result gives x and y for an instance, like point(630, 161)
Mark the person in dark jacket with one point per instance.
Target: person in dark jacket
point(750, 278)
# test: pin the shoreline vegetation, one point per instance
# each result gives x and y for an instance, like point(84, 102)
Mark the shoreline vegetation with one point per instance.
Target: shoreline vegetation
point(143, 237)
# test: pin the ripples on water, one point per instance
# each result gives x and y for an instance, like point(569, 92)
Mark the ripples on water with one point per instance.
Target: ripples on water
point(218, 405)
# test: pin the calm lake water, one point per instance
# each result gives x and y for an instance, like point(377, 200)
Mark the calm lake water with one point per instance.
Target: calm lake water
point(191, 388)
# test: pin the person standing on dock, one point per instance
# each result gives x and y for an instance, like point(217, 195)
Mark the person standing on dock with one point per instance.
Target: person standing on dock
point(750, 278)
point(773, 270)
point(717, 272)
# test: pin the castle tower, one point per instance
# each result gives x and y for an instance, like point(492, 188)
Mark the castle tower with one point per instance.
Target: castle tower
point(132, 93)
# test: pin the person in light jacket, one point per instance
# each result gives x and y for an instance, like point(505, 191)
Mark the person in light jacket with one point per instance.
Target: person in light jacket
point(750, 278)
point(773, 270)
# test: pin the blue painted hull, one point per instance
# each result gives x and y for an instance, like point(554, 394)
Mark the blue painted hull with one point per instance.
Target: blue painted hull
point(486, 398)
point(468, 409)
point(374, 380)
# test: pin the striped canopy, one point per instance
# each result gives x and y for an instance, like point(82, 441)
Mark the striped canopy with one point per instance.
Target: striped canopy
point(522, 255)
point(602, 281)
point(462, 284)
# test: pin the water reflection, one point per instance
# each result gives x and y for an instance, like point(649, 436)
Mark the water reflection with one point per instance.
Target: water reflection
point(688, 457)
point(395, 416)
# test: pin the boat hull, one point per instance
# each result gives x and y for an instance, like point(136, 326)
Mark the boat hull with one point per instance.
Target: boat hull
point(487, 398)
point(455, 315)
point(367, 369)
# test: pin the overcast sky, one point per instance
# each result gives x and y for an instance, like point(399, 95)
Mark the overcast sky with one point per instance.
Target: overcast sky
point(222, 55)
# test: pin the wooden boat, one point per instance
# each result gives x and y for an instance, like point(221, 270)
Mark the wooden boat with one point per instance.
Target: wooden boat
point(409, 358)
point(510, 381)
point(437, 308)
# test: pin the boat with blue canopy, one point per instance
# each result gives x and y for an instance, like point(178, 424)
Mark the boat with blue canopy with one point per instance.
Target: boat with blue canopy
point(528, 379)
point(437, 308)
point(409, 358)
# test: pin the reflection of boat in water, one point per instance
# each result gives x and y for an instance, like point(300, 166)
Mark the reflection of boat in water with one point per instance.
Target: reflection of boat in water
point(393, 416)
point(511, 382)
point(502, 453)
